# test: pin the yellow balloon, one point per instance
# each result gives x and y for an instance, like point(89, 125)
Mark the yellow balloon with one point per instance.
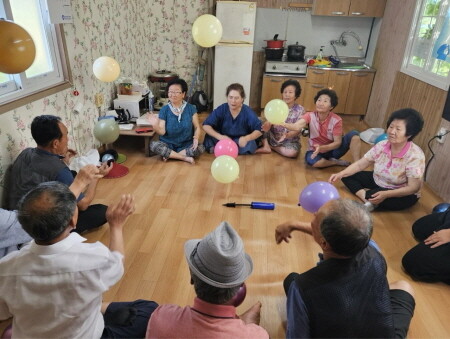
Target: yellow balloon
point(106, 69)
point(17, 49)
point(276, 111)
point(225, 169)
point(207, 30)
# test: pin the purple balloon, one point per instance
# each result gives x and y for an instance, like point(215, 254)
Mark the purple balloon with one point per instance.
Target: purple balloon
point(316, 194)
point(240, 296)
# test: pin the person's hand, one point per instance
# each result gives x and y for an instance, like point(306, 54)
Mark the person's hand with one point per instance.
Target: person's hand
point(316, 151)
point(252, 315)
point(283, 233)
point(117, 214)
point(223, 137)
point(243, 141)
point(438, 238)
point(194, 144)
point(378, 197)
point(335, 177)
point(88, 173)
point(104, 169)
point(266, 126)
point(69, 155)
point(153, 119)
point(282, 138)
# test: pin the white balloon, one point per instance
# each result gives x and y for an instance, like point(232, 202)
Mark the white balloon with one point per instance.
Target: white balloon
point(106, 69)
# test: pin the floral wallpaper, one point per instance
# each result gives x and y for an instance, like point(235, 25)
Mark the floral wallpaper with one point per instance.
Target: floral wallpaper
point(142, 35)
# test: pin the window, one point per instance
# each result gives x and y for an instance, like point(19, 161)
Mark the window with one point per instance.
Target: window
point(427, 52)
point(47, 69)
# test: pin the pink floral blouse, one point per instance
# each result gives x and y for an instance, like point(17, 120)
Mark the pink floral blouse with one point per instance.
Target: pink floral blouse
point(393, 171)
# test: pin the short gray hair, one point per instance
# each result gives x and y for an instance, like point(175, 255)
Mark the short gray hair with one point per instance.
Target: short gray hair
point(46, 210)
point(347, 227)
point(212, 294)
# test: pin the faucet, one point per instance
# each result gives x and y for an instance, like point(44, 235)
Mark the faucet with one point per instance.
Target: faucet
point(342, 42)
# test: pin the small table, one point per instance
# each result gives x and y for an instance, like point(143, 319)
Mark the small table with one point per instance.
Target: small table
point(147, 136)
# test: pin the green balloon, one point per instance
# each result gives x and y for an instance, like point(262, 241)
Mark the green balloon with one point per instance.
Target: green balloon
point(106, 131)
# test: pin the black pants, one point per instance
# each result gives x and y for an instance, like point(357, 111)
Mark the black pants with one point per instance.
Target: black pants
point(364, 180)
point(128, 319)
point(94, 216)
point(423, 262)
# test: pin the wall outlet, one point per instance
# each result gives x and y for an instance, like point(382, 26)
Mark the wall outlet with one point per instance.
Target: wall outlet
point(441, 135)
point(98, 100)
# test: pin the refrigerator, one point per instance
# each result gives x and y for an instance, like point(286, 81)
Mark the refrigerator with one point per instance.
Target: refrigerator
point(234, 52)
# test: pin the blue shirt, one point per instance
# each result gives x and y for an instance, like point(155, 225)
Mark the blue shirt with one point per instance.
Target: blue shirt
point(223, 122)
point(64, 176)
point(178, 134)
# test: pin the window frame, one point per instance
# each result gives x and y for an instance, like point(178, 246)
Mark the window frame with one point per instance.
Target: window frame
point(424, 73)
point(43, 85)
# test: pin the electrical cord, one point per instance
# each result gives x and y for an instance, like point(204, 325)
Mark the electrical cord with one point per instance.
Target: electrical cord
point(432, 153)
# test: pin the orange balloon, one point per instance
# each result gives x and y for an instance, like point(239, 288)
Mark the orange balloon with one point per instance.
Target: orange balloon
point(17, 48)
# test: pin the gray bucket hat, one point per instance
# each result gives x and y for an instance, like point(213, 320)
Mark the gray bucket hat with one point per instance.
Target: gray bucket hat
point(219, 258)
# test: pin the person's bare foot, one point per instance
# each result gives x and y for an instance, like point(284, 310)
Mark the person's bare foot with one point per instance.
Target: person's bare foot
point(252, 315)
point(341, 162)
point(264, 150)
point(189, 160)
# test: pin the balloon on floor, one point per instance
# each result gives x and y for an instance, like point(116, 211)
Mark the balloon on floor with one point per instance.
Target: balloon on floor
point(441, 207)
point(316, 194)
point(381, 138)
point(226, 147)
point(225, 169)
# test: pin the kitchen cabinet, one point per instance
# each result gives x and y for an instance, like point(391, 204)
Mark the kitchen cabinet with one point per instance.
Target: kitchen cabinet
point(282, 4)
point(272, 86)
point(316, 79)
point(359, 92)
point(359, 8)
point(338, 80)
point(352, 88)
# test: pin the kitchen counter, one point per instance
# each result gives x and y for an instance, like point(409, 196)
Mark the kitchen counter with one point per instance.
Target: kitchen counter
point(348, 67)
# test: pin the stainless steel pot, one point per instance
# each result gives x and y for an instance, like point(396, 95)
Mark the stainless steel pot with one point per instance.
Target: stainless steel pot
point(296, 52)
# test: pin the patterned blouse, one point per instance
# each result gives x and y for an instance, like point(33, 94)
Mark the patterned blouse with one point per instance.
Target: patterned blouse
point(393, 171)
point(276, 131)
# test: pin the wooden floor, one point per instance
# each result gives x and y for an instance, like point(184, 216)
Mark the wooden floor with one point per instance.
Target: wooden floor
point(177, 201)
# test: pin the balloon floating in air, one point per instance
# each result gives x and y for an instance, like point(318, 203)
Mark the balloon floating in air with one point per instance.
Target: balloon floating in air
point(17, 48)
point(316, 194)
point(207, 30)
point(106, 69)
point(106, 131)
point(276, 111)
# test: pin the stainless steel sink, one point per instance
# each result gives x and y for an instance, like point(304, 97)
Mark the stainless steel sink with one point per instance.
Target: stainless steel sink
point(350, 65)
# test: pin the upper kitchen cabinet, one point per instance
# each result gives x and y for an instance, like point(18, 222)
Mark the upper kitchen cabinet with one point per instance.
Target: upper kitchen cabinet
point(359, 8)
point(284, 4)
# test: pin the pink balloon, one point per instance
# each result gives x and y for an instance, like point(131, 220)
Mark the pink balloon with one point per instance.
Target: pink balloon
point(226, 147)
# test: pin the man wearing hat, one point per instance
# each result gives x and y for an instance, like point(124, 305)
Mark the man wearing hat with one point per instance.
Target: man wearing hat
point(219, 266)
point(347, 293)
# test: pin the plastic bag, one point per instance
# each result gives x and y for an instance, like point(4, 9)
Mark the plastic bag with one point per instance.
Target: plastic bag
point(91, 158)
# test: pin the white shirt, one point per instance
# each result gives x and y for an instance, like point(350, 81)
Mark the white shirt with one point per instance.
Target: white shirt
point(56, 291)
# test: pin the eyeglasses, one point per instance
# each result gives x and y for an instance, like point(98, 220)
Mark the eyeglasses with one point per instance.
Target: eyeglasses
point(174, 93)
